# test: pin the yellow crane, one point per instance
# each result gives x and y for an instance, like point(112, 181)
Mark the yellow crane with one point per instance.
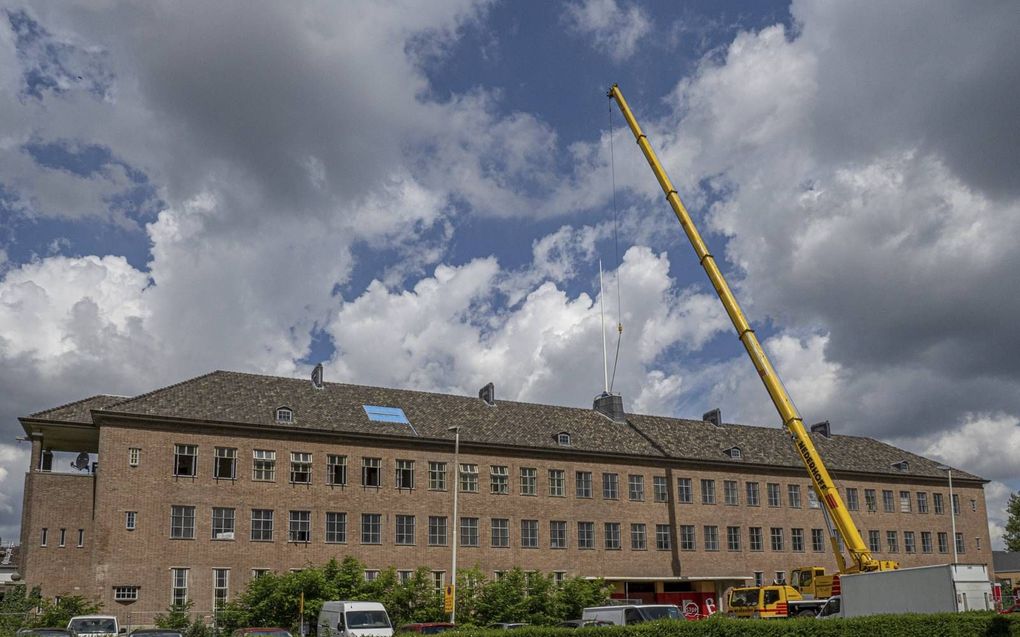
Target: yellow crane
point(828, 495)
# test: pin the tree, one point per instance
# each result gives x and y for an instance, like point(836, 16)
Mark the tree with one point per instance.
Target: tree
point(58, 613)
point(1012, 535)
point(15, 608)
point(177, 617)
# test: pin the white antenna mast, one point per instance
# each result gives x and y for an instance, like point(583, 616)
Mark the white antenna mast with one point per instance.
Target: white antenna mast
point(602, 311)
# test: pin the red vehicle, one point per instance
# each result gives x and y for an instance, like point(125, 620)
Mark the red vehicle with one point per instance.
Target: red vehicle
point(262, 632)
point(426, 628)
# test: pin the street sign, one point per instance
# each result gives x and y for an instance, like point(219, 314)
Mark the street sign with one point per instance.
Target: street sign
point(448, 599)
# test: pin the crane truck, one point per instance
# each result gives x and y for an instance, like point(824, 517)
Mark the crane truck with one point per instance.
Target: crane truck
point(842, 530)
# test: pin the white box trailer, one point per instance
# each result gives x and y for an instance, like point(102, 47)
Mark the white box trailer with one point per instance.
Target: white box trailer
point(944, 588)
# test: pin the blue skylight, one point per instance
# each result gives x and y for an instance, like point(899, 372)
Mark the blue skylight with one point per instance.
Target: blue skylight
point(386, 414)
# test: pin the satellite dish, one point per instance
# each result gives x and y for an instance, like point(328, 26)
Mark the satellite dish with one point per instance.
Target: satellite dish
point(81, 463)
point(317, 376)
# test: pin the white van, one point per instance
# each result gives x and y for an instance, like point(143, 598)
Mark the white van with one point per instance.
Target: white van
point(354, 619)
point(94, 626)
point(626, 614)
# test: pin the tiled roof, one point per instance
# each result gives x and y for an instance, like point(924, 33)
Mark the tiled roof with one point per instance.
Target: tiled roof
point(79, 411)
point(249, 399)
point(1006, 561)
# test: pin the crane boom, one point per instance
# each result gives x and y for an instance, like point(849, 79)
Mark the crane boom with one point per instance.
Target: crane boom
point(826, 490)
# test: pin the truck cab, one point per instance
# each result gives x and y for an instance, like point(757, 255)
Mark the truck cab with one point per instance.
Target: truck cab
point(812, 582)
point(765, 602)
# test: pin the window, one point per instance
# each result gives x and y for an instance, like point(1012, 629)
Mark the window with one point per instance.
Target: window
point(612, 535)
point(922, 502)
point(501, 533)
point(263, 465)
point(960, 548)
point(610, 486)
point(813, 499)
point(780, 577)
point(178, 586)
point(336, 527)
point(973, 505)
point(775, 499)
point(284, 415)
point(755, 538)
point(300, 526)
point(943, 538)
point(759, 578)
point(817, 540)
point(870, 501)
point(182, 522)
point(404, 576)
point(708, 491)
point(559, 577)
point(583, 484)
point(405, 474)
point(977, 543)
point(221, 586)
point(892, 542)
point(733, 538)
point(371, 528)
point(371, 576)
point(938, 504)
point(499, 480)
point(437, 476)
point(130, 520)
point(956, 504)
point(752, 494)
point(437, 530)
point(776, 535)
point(638, 541)
point(636, 488)
point(225, 463)
point(469, 478)
point(687, 537)
point(874, 541)
point(258, 572)
point(731, 494)
point(261, 525)
point(529, 534)
point(926, 541)
point(908, 542)
point(125, 593)
point(222, 523)
point(377, 413)
point(585, 535)
point(793, 495)
point(734, 452)
point(81, 538)
point(852, 501)
point(371, 472)
point(663, 537)
point(185, 460)
point(63, 537)
point(557, 534)
point(438, 580)
point(711, 538)
point(556, 482)
point(300, 467)
point(904, 501)
point(797, 540)
point(405, 530)
point(684, 491)
point(469, 531)
point(529, 481)
point(887, 501)
point(660, 488)
point(336, 470)
point(134, 454)
point(563, 439)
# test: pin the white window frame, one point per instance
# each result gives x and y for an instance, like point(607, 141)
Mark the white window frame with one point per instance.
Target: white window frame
point(300, 467)
point(336, 470)
point(263, 467)
point(185, 451)
point(178, 582)
point(130, 520)
point(125, 593)
point(221, 587)
point(134, 456)
point(228, 456)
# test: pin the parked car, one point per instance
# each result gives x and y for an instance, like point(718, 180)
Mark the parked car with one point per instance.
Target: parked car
point(156, 632)
point(94, 626)
point(583, 623)
point(262, 632)
point(507, 625)
point(426, 628)
point(627, 614)
point(43, 632)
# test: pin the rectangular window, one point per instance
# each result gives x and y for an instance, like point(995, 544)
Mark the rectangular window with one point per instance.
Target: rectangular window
point(905, 502)
point(612, 535)
point(438, 580)
point(793, 495)
point(812, 498)
point(610, 486)
point(258, 572)
point(797, 540)
point(887, 501)
point(908, 542)
point(130, 520)
point(221, 587)
point(300, 467)
point(437, 530)
point(404, 530)
point(63, 537)
point(638, 540)
point(585, 535)
point(405, 474)
point(134, 454)
point(660, 489)
point(437, 476)
point(759, 578)
point(557, 478)
point(529, 481)
point(753, 499)
point(262, 525)
point(960, 548)
point(557, 534)
point(733, 538)
point(125, 593)
point(776, 535)
point(708, 491)
point(817, 540)
point(755, 539)
point(687, 537)
point(371, 528)
point(874, 541)
point(336, 470)
point(469, 531)
point(870, 501)
point(263, 465)
point(926, 541)
point(663, 537)
point(943, 538)
point(956, 504)
point(892, 542)
point(469, 478)
point(775, 498)
point(731, 494)
point(371, 472)
point(222, 523)
point(182, 522)
point(781, 577)
point(582, 481)
point(336, 527)
point(711, 538)
point(922, 502)
point(178, 586)
point(529, 534)
point(225, 463)
point(404, 576)
point(636, 488)
point(684, 491)
point(300, 526)
point(185, 460)
point(501, 533)
point(937, 502)
point(852, 501)
point(371, 575)
point(499, 480)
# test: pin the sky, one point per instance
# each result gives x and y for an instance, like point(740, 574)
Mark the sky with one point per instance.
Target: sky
point(420, 195)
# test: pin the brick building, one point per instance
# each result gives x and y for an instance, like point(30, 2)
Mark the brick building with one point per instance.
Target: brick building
point(192, 490)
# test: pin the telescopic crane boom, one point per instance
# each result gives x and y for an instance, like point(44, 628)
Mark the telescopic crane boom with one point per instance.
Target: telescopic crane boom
point(827, 493)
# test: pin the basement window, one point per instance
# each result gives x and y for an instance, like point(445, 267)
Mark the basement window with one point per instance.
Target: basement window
point(125, 593)
point(285, 415)
point(563, 439)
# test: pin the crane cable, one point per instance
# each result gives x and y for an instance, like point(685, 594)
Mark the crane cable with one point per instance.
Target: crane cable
point(616, 248)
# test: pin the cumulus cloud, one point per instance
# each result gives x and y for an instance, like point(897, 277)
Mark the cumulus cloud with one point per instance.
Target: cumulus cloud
point(615, 30)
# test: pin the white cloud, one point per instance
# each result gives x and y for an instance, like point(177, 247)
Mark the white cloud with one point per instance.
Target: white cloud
point(986, 444)
point(615, 30)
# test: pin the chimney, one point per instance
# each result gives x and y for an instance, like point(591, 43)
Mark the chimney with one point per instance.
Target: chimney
point(822, 428)
point(714, 417)
point(488, 394)
point(317, 376)
point(610, 406)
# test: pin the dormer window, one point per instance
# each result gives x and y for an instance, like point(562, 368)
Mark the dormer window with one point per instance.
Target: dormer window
point(563, 439)
point(902, 465)
point(734, 453)
point(284, 415)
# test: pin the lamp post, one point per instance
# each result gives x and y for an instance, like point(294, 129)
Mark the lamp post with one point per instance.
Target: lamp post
point(952, 505)
point(456, 489)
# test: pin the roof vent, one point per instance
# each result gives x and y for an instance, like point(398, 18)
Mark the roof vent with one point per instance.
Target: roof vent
point(317, 376)
point(822, 428)
point(714, 417)
point(488, 394)
point(610, 406)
